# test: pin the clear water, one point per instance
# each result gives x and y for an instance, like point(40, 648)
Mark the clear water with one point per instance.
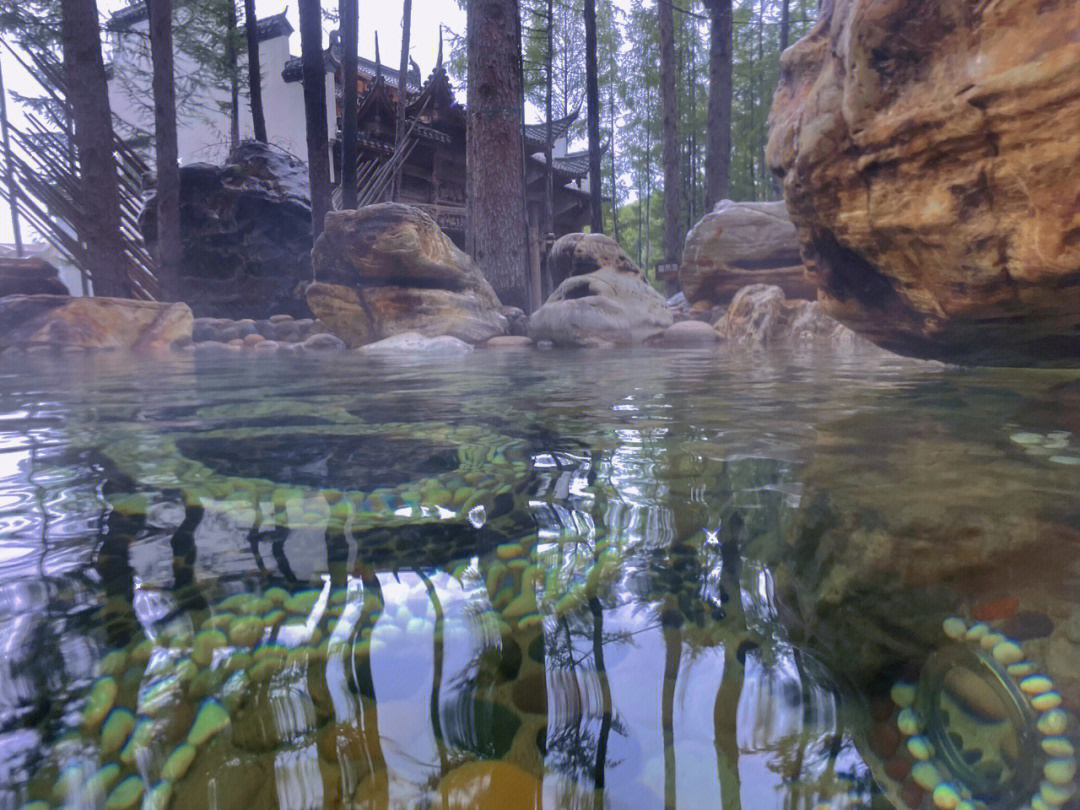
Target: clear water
point(604, 580)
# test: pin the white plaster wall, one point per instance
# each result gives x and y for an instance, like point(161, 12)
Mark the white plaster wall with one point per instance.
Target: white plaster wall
point(203, 118)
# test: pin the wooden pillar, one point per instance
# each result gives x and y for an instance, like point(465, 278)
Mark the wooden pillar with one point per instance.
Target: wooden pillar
point(536, 293)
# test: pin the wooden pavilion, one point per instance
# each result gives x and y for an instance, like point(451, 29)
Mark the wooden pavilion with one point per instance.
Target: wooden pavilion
point(433, 159)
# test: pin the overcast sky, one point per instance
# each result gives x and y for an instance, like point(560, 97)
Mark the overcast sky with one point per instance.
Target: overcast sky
point(383, 17)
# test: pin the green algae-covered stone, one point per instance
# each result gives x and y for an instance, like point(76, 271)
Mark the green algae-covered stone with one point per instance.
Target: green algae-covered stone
point(220, 621)
point(205, 682)
point(141, 652)
point(114, 663)
point(277, 595)
point(303, 602)
point(99, 702)
point(36, 804)
point(126, 795)
point(246, 631)
point(211, 719)
point(157, 798)
point(186, 670)
point(179, 761)
point(69, 779)
point(272, 618)
point(141, 738)
point(258, 606)
point(521, 605)
point(237, 661)
point(266, 669)
point(206, 641)
point(118, 725)
point(265, 652)
point(103, 779)
point(235, 603)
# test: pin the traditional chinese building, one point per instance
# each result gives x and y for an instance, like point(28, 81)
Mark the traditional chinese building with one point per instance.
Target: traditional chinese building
point(432, 160)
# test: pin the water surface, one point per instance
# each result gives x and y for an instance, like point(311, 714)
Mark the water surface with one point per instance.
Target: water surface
point(561, 580)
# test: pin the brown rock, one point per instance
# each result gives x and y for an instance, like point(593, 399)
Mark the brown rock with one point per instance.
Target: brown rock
point(741, 243)
point(690, 333)
point(388, 269)
point(930, 161)
point(761, 317)
point(59, 321)
point(509, 342)
point(605, 301)
point(29, 276)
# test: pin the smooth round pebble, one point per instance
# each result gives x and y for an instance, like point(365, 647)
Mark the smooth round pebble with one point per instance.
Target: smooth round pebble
point(1046, 701)
point(1053, 722)
point(1036, 685)
point(926, 775)
point(909, 722)
point(1008, 652)
point(903, 694)
point(976, 632)
point(1056, 795)
point(1058, 747)
point(954, 627)
point(946, 796)
point(1060, 771)
point(920, 748)
point(126, 795)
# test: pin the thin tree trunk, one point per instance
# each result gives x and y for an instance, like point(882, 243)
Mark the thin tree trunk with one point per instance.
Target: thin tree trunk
point(13, 191)
point(592, 103)
point(315, 111)
point(549, 173)
point(349, 13)
point(84, 77)
point(718, 134)
point(231, 35)
point(648, 181)
point(168, 249)
point(614, 172)
point(494, 162)
point(251, 28)
point(672, 181)
point(399, 119)
point(785, 24)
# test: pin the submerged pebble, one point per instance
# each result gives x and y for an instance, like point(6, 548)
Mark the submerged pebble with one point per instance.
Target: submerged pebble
point(1053, 722)
point(99, 702)
point(118, 725)
point(909, 722)
point(1046, 701)
point(954, 627)
point(1036, 685)
point(211, 719)
point(179, 761)
point(126, 795)
point(1058, 747)
point(1060, 771)
point(946, 796)
point(926, 775)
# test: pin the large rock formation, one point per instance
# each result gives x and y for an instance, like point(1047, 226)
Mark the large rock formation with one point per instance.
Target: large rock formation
point(741, 243)
point(761, 317)
point(930, 158)
point(246, 234)
point(602, 299)
point(57, 322)
point(30, 276)
point(387, 269)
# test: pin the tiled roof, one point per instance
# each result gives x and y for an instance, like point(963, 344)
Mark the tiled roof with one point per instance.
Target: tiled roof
point(536, 133)
point(267, 28)
point(331, 59)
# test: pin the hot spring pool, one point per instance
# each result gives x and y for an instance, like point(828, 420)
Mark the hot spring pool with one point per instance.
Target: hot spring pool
point(626, 580)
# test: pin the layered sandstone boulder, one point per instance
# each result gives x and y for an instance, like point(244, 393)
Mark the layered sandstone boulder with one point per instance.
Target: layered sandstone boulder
point(29, 276)
point(387, 269)
point(57, 322)
point(930, 158)
point(741, 243)
point(602, 297)
point(761, 317)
